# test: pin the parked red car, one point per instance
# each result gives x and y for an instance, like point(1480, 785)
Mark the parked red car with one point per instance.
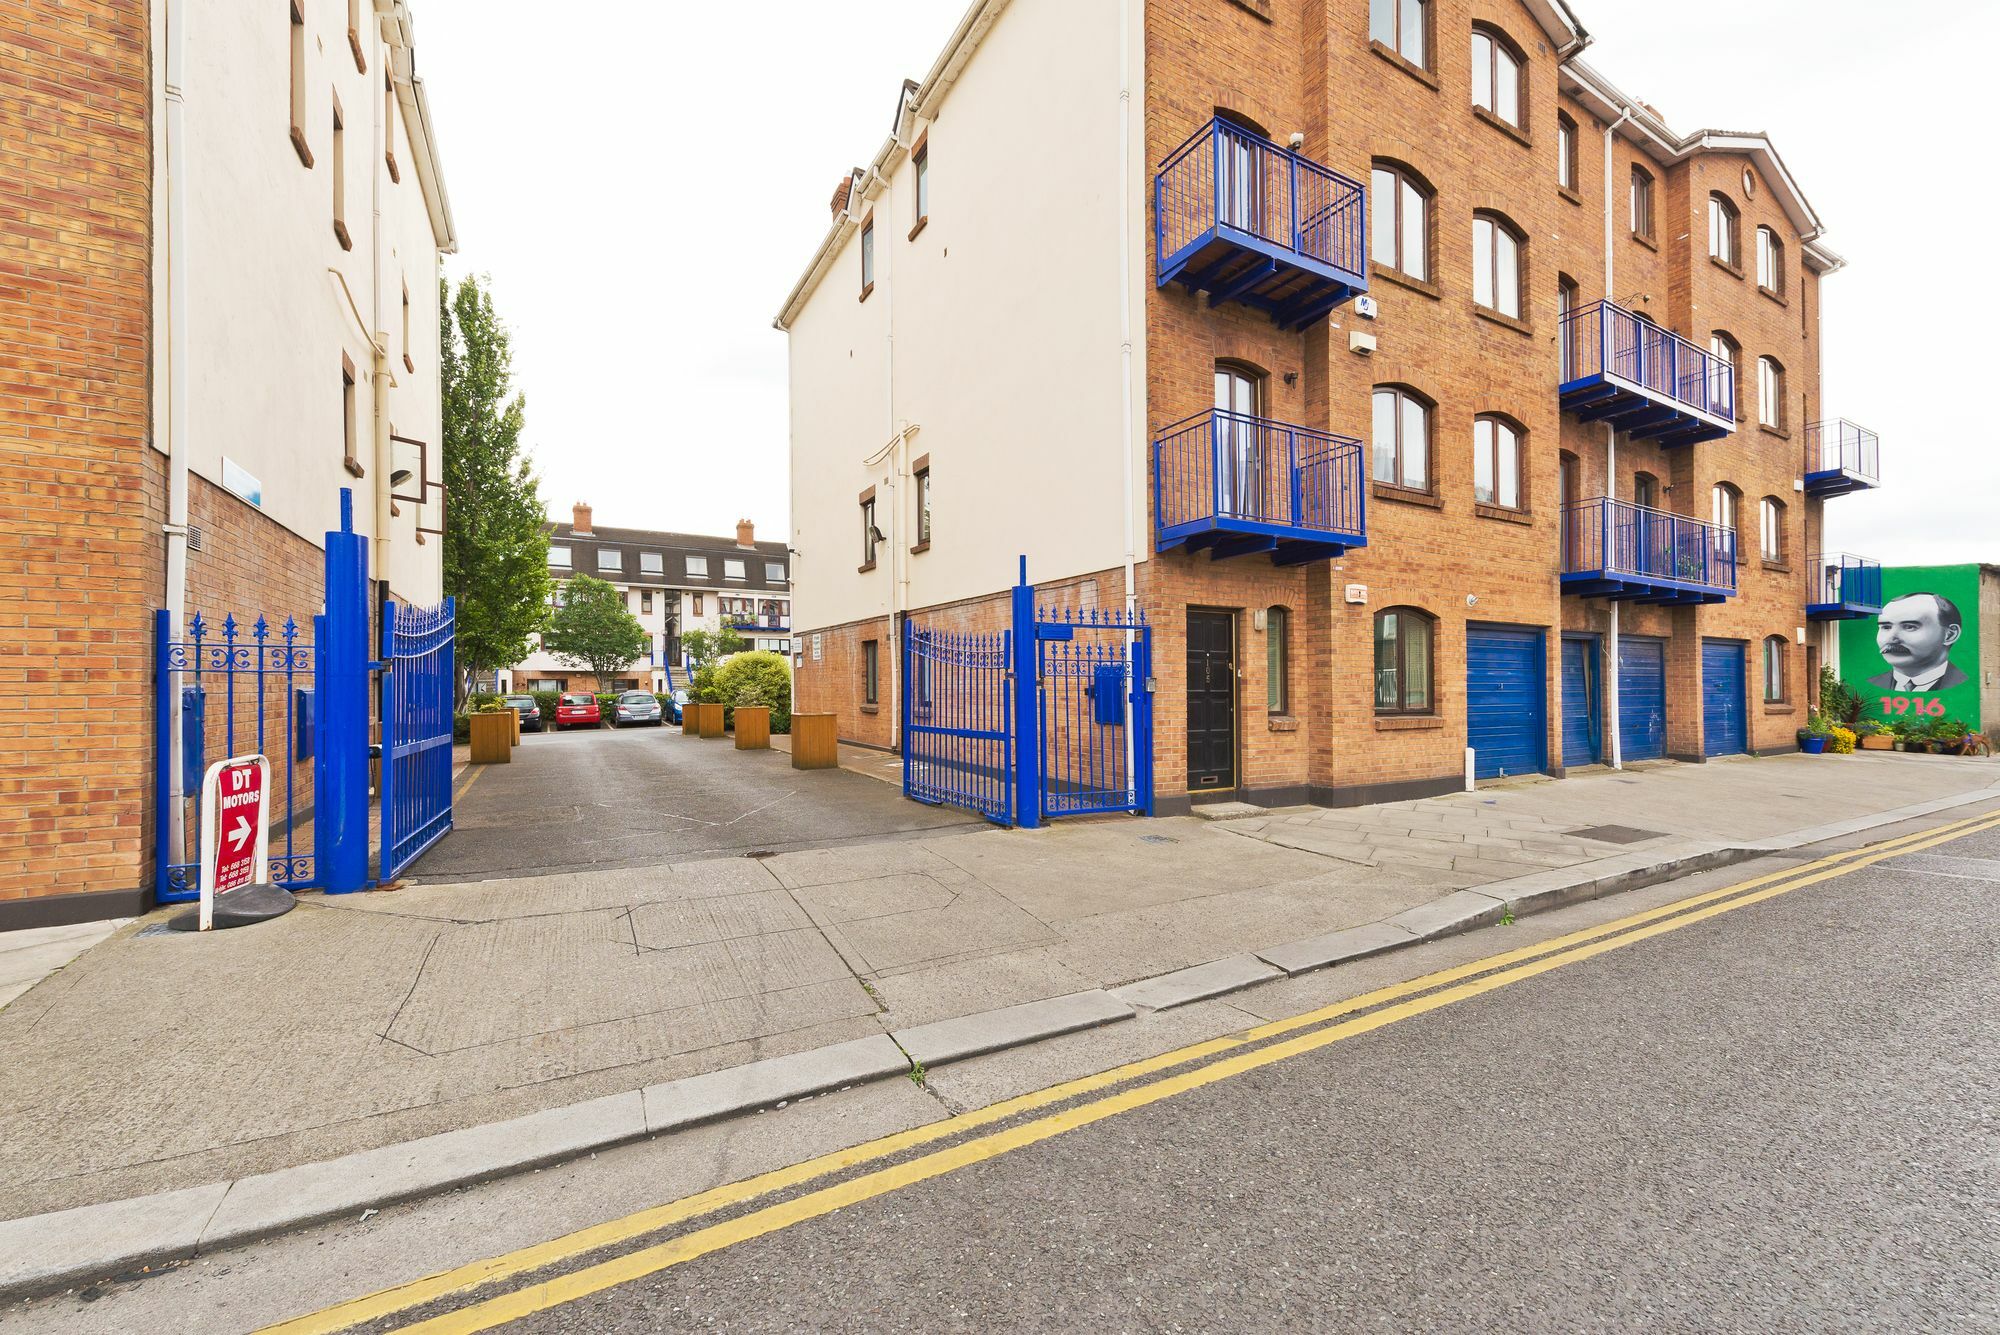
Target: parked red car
point(577, 710)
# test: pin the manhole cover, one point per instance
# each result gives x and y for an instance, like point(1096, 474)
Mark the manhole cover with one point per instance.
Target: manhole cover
point(1616, 834)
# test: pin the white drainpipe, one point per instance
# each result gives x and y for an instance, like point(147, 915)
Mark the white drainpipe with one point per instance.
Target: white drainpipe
point(175, 593)
point(384, 450)
point(1131, 446)
point(1611, 458)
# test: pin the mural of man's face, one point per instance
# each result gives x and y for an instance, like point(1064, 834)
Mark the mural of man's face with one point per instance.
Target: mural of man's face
point(1912, 636)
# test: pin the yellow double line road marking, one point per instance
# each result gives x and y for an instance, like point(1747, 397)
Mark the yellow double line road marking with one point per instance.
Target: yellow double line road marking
point(1384, 1006)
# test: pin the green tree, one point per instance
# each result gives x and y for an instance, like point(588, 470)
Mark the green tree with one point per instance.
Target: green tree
point(706, 647)
point(594, 629)
point(496, 546)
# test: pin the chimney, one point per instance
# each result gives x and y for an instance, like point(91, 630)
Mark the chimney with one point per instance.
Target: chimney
point(839, 201)
point(746, 533)
point(580, 518)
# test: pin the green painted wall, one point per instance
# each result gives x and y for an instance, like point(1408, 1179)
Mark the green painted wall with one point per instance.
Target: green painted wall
point(1915, 637)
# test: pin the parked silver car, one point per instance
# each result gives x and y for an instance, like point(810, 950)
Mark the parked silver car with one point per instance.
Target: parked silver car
point(635, 707)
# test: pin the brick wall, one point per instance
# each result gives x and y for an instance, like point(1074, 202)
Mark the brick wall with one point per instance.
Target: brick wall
point(81, 489)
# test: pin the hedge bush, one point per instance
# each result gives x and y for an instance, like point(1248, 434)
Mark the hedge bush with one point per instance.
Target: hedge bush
point(758, 677)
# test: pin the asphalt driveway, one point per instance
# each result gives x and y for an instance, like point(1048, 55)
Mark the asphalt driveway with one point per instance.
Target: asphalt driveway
point(636, 797)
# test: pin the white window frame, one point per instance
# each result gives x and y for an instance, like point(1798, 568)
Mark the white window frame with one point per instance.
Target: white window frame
point(697, 567)
point(610, 561)
point(652, 563)
point(733, 568)
point(559, 555)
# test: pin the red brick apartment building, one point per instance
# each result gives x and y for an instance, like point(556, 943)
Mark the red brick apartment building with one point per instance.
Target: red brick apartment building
point(202, 340)
point(1428, 393)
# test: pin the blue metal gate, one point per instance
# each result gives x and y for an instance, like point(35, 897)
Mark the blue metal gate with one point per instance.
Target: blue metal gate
point(416, 731)
point(958, 719)
point(1095, 713)
point(1725, 694)
point(1506, 705)
point(1582, 702)
point(1642, 698)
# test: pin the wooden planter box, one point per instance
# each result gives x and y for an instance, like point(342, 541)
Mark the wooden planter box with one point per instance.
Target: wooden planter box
point(515, 730)
point(1880, 741)
point(814, 742)
point(690, 721)
point(492, 738)
point(753, 728)
point(707, 720)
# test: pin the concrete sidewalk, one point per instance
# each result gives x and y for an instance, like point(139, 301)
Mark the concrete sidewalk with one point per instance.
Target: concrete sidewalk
point(159, 1061)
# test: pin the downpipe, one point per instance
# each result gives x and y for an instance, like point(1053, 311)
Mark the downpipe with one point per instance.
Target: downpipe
point(176, 527)
point(1611, 722)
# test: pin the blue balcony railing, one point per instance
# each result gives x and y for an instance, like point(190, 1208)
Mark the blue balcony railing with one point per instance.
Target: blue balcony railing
point(1840, 587)
point(1615, 549)
point(1238, 217)
point(1841, 457)
point(1234, 484)
point(1649, 381)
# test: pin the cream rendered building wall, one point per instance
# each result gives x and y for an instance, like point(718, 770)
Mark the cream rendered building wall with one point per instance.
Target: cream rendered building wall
point(541, 664)
point(1006, 342)
point(273, 299)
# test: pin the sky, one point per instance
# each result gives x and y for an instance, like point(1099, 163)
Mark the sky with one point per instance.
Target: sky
point(643, 194)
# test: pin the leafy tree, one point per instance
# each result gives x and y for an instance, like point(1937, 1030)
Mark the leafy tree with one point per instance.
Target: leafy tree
point(496, 546)
point(706, 647)
point(594, 629)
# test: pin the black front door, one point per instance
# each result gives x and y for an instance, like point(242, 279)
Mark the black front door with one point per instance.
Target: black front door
point(1211, 700)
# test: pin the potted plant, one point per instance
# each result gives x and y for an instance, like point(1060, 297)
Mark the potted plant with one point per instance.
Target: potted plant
point(1874, 735)
point(1812, 737)
point(1840, 741)
point(1948, 737)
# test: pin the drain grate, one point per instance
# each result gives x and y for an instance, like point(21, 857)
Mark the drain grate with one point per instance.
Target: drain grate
point(1616, 834)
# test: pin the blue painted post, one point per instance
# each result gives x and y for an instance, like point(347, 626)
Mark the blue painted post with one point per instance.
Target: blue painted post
point(1027, 718)
point(340, 774)
point(386, 794)
point(904, 733)
point(163, 751)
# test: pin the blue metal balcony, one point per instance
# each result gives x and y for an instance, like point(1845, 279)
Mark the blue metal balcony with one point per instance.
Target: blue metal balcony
point(1235, 485)
point(1615, 549)
point(1841, 457)
point(1840, 587)
point(1620, 368)
point(1242, 219)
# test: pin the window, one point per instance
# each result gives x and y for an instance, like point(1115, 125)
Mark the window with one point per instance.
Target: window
point(1775, 649)
point(1496, 76)
point(1403, 637)
point(697, 567)
point(1722, 504)
point(774, 572)
point(559, 555)
point(1496, 462)
point(1642, 203)
point(1565, 151)
point(348, 421)
point(732, 569)
point(868, 530)
point(340, 179)
point(921, 161)
point(1770, 393)
point(1770, 262)
point(1771, 528)
point(867, 258)
point(694, 604)
point(409, 362)
point(1402, 221)
point(871, 672)
point(1646, 491)
point(645, 600)
point(652, 563)
point(298, 11)
point(1496, 265)
point(1569, 332)
point(389, 125)
point(354, 35)
point(923, 507)
point(1277, 692)
point(1402, 438)
point(1404, 27)
point(1722, 369)
point(610, 559)
point(1722, 243)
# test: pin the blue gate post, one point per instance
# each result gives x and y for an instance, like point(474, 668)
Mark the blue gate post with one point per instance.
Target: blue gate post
point(1027, 716)
point(165, 825)
point(340, 772)
point(1140, 661)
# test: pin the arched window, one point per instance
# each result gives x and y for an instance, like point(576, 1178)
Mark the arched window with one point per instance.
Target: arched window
point(1496, 264)
point(1277, 661)
point(1496, 461)
point(1770, 393)
point(1646, 490)
point(1401, 233)
point(1723, 354)
point(1776, 649)
point(1404, 27)
point(1243, 472)
point(1402, 437)
point(1770, 262)
point(1404, 642)
point(1771, 528)
point(1568, 299)
point(1565, 151)
point(1642, 202)
point(1496, 75)
point(1724, 503)
point(1722, 236)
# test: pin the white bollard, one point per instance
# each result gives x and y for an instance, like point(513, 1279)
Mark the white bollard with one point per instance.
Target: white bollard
point(1469, 771)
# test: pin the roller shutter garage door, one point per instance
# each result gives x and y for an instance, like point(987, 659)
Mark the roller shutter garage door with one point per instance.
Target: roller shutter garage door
point(1506, 707)
point(1725, 726)
point(1642, 698)
point(1583, 703)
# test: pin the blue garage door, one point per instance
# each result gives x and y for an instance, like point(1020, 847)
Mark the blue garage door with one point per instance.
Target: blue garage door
point(1725, 729)
point(1506, 707)
point(1583, 703)
point(1642, 698)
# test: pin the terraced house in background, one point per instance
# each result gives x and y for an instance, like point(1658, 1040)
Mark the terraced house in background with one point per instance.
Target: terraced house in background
point(1426, 393)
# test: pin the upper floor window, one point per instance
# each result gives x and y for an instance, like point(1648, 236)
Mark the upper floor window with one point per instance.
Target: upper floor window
point(1496, 265)
point(697, 567)
point(297, 9)
point(1401, 231)
point(1722, 243)
point(559, 555)
point(1770, 262)
point(1277, 652)
point(1642, 203)
point(1770, 393)
point(1565, 151)
point(1496, 462)
point(1646, 491)
point(1402, 443)
point(1404, 27)
point(1404, 638)
point(867, 257)
point(1496, 76)
point(923, 507)
point(1723, 502)
point(1771, 528)
point(774, 572)
point(1723, 356)
point(611, 560)
point(1775, 652)
point(645, 600)
point(870, 535)
point(732, 569)
point(920, 163)
point(340, 232)
point(652, 563)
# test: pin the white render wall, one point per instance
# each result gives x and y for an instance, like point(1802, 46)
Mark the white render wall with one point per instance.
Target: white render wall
point(1005, 359)
point(541, 664)
point(273, 299)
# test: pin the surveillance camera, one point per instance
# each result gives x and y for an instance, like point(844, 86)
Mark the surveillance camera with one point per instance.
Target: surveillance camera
point(1298, 140)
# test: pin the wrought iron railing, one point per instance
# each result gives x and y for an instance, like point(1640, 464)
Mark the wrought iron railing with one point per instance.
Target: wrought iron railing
point(1228, 177)
point(1605, 339)
point(1837, 578)
point(1622, 540)
point(1839, 446)
point(1220, 465)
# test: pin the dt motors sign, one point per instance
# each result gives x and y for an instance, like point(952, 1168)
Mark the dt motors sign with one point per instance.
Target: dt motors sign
point(235, 849)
